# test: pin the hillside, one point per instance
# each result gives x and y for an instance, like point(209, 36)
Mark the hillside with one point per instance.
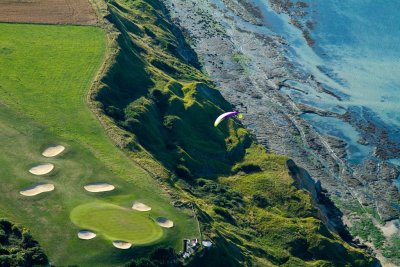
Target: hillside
point(163, 107)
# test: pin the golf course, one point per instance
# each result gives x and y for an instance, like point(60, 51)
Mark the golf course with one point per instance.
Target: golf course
point(46, 74)
point(112, 153)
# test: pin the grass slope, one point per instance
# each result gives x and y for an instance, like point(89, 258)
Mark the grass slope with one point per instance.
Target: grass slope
point(165, 108)
point(46, 72)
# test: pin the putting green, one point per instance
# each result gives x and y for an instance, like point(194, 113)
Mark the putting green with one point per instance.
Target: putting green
point(116, 223)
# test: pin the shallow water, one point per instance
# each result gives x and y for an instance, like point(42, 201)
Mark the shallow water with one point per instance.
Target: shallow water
point(357, 54)
point(361, 44)
point(335, 127)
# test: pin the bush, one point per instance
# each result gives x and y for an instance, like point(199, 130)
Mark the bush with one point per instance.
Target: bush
point(141, 263)
point(183, 172)
point(115, 113)
point(225, 214)
point(160, 98)
point(247, 168)
point(218, 194)
point(160, 257)
point(260, 201)
point(18, 248)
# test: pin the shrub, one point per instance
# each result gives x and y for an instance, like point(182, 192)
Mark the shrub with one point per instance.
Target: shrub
point(18, 248)
point(183, 172)
point(225, 214)
point(115, 113)
point(247, 168)
point(160, 257)
point(260, 201)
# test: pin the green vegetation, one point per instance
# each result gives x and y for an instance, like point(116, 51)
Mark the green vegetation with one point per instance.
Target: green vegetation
point(117, 223)
point(391, 251)
point(245, 199)
point(44, 81)
point(368, 231)
point(160, 257)
point(18, 248)
point(243, 62)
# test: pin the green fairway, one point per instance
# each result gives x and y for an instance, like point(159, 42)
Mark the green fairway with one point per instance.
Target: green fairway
point(117, 223)
point(45, 75)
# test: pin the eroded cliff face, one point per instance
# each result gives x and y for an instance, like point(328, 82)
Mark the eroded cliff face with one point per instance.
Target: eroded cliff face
point(240, 48)
point(162, 109)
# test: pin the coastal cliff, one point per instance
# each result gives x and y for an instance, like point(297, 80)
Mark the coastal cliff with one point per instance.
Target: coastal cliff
point(245, 47)
point(159, 107)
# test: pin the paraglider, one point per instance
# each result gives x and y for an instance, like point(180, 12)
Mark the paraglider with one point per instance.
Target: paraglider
point(226, 115)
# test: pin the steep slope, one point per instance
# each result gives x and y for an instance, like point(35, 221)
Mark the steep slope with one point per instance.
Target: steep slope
point(164, 108)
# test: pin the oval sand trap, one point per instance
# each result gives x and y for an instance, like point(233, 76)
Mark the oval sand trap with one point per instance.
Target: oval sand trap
point(53, 151)
point(42, 169)
point(37, 189)
point(122, 244)
point(140, 206)
point(164, 222)
point(99, 187)
point(86, 235)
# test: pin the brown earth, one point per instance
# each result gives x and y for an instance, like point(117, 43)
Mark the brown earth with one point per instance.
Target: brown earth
point(78, 12)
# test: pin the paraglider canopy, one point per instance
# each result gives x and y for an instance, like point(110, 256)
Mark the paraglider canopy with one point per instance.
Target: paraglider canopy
point(226, 115)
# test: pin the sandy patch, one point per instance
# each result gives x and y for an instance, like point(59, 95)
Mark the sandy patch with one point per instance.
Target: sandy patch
point(86, 235)
point(122, 244)
point(140, 206)
point(389, 228)
point(206, 244)
point(37, 189)
point(53, 151)
point(164, 222)
point(99, 187)
point(42, 169)
point(384, 262)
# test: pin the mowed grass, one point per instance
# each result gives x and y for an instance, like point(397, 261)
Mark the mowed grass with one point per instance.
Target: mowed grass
point(45, 75)
point(117, 223)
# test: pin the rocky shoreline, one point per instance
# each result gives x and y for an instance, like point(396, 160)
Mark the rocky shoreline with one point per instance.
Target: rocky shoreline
point(248, 62)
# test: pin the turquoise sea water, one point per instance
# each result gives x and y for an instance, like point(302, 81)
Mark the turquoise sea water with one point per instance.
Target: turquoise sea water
point(334, 127)
point(356, 54)
point(359, 40)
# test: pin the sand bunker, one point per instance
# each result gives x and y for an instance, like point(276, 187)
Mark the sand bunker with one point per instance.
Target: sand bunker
point(140, 206)
point(207, 244)
point(37, 189)
point(164, 222)
point(99, 187)
point(42, 168)
point(53, 151)
point(122, 244)
point(86, 235)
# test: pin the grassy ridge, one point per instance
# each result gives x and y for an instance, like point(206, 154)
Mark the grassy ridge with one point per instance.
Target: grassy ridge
point(46, 72)
point(165, 107)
